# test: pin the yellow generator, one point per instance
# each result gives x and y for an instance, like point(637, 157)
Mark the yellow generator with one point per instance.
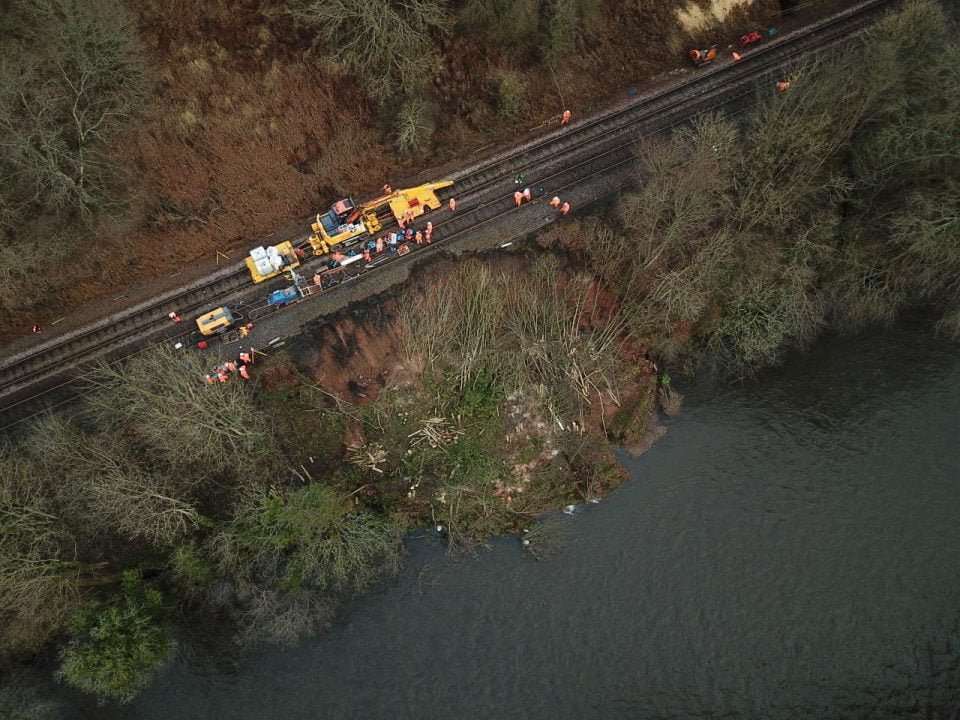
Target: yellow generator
point(267, 262)
point(215, 321)
point(345, 222)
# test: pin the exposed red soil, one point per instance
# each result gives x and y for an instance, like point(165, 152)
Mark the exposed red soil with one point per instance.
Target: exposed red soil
point(354, 354)
point(359, 350)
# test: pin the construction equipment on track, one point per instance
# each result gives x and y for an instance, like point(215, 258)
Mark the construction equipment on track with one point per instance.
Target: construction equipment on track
point(267, 262)
point(345, 223)
point(215, 322)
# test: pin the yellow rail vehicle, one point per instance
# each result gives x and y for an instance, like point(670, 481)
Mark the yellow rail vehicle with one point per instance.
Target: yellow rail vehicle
point(345, 222)
point(267, 262)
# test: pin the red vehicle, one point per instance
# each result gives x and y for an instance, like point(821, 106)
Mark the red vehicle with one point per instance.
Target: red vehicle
point(750, 38)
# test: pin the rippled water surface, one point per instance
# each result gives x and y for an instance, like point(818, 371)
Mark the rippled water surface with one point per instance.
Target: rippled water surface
point(788, 550)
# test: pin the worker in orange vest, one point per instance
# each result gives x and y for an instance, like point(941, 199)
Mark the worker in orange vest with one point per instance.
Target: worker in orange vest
point(317, 279)
point(366, 255)
point(428, 235)
point(565, 118)
point(527, 195)
point(222, 376)
point(387, 189)
point(737, 57)
point(245, 358)
point(429, 227)
point(176, 318)
point(565, 208)
point(418, 238)
point(243, 372)
point(555, 202)
point(517, 198)
point(211, 380)
point(230, 366)
point(380, 244)
point(453, 205)
point(783, 86)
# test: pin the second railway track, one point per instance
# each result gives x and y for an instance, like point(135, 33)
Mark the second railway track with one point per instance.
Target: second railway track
point(560, 160)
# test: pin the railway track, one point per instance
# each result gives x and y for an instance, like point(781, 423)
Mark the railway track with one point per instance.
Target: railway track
point(558, 161)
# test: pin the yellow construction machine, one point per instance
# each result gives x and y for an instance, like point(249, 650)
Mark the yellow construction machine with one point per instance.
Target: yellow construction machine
point(345, 223)
point(215, 322)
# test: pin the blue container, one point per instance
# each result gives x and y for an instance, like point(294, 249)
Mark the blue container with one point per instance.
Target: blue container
point(279, 298)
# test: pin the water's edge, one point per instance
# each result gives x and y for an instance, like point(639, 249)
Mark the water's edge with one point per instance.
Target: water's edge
point(788, 550)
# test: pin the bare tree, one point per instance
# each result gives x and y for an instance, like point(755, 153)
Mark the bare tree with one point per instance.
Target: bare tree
point(110, 489)
point(72, 81)
point(388, 44)
point(196, 428)
point(40, 575)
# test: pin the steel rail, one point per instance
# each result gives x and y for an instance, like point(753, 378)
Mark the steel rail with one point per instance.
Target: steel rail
point(197, 295)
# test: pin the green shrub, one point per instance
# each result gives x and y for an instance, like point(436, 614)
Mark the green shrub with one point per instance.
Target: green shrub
point(191, 570)
point(566, 21)
point(290, 555)
point(310, 536)
point(511, 89)
point(116, 648)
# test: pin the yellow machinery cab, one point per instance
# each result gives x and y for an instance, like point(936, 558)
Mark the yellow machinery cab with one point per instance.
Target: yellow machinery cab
point(215, 321)
point(267, 262)
point(342, 222)
point(345, 221)
point(418, 200)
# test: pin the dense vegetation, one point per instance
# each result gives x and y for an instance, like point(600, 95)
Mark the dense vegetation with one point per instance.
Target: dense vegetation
point(163, 493)
point(71, 78)
point(833, 203)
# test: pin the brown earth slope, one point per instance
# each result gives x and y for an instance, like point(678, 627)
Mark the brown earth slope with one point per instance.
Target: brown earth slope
point(249, 128)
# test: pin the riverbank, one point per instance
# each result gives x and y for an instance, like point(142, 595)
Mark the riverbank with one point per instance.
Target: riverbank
point(761, 562)
point(487, 391)
point(474, 398)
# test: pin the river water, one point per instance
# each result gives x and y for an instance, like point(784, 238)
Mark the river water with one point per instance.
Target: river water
point(788, 550)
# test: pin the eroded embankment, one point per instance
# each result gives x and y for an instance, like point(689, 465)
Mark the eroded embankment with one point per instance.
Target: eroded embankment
point(459, 396)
